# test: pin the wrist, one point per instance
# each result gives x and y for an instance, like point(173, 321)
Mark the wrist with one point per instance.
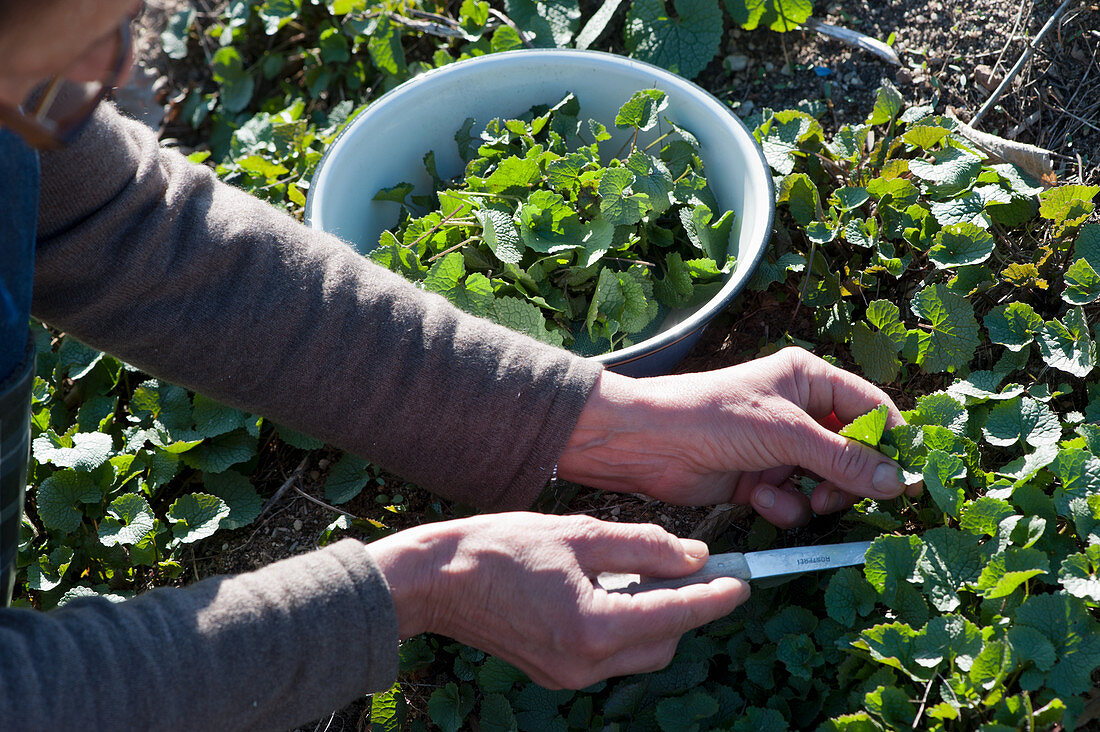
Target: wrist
point(407, 560)
point(611, 446)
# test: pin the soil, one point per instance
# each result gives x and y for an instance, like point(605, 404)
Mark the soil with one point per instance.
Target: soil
point(952, 55)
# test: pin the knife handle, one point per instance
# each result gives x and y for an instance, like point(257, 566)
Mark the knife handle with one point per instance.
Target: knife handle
point(719, 565)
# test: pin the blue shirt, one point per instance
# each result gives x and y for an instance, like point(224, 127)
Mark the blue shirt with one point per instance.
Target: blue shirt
point(18, 220)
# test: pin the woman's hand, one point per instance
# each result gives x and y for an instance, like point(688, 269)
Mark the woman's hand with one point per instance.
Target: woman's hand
point(520, 586)
point(734, 435)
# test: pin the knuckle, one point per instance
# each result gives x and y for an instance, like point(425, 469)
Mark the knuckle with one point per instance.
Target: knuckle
point(595, 641)
point(584, 527)
point(850, 461)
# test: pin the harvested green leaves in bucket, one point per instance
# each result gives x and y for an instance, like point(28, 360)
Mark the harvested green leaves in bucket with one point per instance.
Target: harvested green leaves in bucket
point(540, 235)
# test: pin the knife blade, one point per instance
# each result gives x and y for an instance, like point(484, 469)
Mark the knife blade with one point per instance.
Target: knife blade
point(747, 566)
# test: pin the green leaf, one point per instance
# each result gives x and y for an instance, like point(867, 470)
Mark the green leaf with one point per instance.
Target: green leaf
point(1087, 245)
point(894, 644)
point(876, 352)
point(683, 713)
point(950, 343)
point(858, 722)
point(222, 452)
point(129, 519)
point(951, 561)
point(500, 233)
point(984, 514)
point(643, 110)
point(958, 245)
point(1079, 574)
point(384, 46)
point(388, 710)
point(1022, 418)
point(891, 562)
point(297, 439)
point(1067, 206)
point(782, 136)
point(523, 316)
point(777, 15)
point(968, 207)
point(551, 22)
point(712, 238)
point(993, 664)
point(60, 497)
point(347, 478)
point(1009, 569)
point(675, 289)
point(982, 386)
point(888, 103)
point(236, 83)
point(47, 571)
point(1032, 646)
point(498, 677)
point(196, 516)
point(652, 179)
point(848, 596)
point(513, 176)
point(450, 706)
point(1013, 325)
point(925, 136)
point(942, 473)
point(849, 198)
point(237, 492)
point(801, 196)
point(867, 428)
point(88, 451)
point(474, 294)
point(939, 409)
point(952, 638)
point(1066, 345)
point(683, 42)
point(167, 405)
point(618, 203)
point(1066, 623)
point(1082, 283)
point(213, 419)
point(176, 32)
point(951, 169)
point(497, 715)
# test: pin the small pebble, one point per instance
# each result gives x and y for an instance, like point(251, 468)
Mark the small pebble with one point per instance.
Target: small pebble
point(737, 62)
point(615, 511)
point(323, 463)
point(314, 474)
point(297, 524)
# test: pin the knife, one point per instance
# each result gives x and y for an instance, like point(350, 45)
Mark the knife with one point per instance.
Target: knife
point(747, 566)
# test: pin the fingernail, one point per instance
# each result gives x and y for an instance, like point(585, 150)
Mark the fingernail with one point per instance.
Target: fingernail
point(834, 503)
point(765, 497)
point(694, 548)
point(885, 480)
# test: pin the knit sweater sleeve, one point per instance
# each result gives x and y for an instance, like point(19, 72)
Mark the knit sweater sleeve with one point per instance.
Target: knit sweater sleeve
point(150, 258)
point(270, 649)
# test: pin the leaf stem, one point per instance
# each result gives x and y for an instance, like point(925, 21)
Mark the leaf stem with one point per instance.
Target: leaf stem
point(452, 215)
point(455, 248)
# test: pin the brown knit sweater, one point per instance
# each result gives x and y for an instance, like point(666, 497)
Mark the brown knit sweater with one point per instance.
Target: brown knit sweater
point(150, 258)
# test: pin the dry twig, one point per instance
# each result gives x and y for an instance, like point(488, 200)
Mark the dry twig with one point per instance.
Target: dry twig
point(1027, 54)
point(285, 486)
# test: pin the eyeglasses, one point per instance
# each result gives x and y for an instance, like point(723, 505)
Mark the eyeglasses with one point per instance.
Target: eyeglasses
point(59, 109)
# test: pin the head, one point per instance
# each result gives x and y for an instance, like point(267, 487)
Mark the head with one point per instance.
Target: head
point(40, 39)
